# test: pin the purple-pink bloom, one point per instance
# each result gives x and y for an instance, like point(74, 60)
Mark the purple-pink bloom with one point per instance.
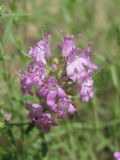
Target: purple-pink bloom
point(47, 38)
point(42, 50)
point(86, 90)
point(35, 76)
point(32, 68)
point(53, 78)
point(78, 68)
point(51, 90)
point(35, 111)
point(117, 155)
point(38, 77)
point(85, 53)
point(67, 46)
point(51, 86)
point(38, 53)
point(75, 70)
point(45, 122)
point(26, 84)
point(42, 91)
point(54, 90)
point(7, 116)
point(73, 55)
point(65, 107)
point(40, 119)
point(62, 107)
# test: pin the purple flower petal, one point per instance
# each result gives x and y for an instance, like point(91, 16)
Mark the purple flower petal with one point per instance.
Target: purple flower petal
point(85, 53)
point(45, 122)
point(38, 53)
point(61, 92)
point(71, 109)
point(47, 38)
point(42, 91)
point(26, 84)
point(65, 107)
point(86, 90)
point(67, 46)
point(51, 100)
point(117, 155)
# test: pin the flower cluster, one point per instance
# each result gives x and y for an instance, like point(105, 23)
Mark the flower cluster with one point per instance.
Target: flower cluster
point(56, 80)
point(117, 155)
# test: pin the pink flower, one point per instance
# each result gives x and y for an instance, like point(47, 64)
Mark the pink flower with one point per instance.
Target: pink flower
point(26, 84)
point(117, 155)
point(51, 89)
point(38, 53)
point(45, 122)
point(49, 86)
point(80, 69)
point(67, 46)
point(40, 119)
point(47, 38)
point(42, 50)
point(35, 75)
point(86, 90)
point(63, 106)
point(7, 116)
point(85, 53)
point(55, 80)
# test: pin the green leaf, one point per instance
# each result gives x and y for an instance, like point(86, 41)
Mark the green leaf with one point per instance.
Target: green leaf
point(1, 124)
point(1, 58)
point(11, 136)
point(100, 57)
point(7, 32)
point(114, 76)
point(44, 148)
point(13, 5)
point(29, 128)
point(13, 15)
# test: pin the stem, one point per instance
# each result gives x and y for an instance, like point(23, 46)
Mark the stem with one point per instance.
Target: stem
point(18, 124)
point(71, 140)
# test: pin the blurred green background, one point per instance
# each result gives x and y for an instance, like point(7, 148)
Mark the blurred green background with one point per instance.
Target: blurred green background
point(92, 134)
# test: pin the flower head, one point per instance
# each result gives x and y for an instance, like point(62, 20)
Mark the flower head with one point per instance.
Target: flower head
point(42, 50)
point(55, 80)
point(38, 53)
point(86, 90)
point(26, 84)
point(65, 107)
point(40, 119)
point(117, 155)
point(47, 38)
point(7, 116)
point(67, 46)
point(61, 105)
point(80, 69)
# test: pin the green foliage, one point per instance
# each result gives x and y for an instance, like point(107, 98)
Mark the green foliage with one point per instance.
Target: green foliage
point(93, 133)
